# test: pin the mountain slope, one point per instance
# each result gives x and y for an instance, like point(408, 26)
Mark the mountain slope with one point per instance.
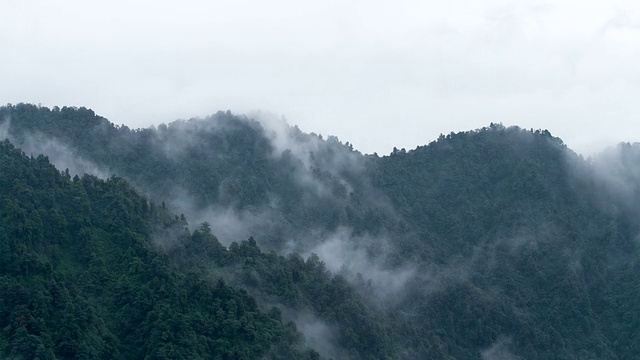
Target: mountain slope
point(498, 242)
point(278, 182)
point(513, 215)
point(81, 278)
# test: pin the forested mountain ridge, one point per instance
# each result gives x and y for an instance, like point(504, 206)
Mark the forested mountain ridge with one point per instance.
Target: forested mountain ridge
point(81, 278)
point(209, 167)
point(485, 244)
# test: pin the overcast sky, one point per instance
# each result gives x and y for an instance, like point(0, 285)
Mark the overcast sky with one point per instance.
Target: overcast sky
point(378, 74)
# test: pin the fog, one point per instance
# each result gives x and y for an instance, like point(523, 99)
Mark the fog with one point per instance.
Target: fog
point(324, 182)
point(336, 67)
point(500, 350)
point(318, 335)
point(617, 171)
point(351, 256)
point(61, 155)
point(380, 75)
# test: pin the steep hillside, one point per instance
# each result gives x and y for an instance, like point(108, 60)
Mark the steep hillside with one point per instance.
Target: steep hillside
point(532, 250)
point(80, 278)
point(274, 182)
point(487, 244)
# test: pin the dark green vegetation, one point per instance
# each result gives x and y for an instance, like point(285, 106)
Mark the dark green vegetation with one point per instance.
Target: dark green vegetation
point(488, 244)
point(80, 278)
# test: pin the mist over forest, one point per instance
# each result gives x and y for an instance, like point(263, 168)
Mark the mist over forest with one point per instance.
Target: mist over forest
point(237, 237)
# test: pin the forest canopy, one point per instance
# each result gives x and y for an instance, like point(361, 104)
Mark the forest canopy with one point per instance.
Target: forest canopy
point(231, 237)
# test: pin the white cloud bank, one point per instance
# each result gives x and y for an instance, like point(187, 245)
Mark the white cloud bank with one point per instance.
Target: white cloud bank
point(376, 73)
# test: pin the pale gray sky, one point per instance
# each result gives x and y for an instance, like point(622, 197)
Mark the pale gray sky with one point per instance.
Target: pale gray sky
point(378, 74)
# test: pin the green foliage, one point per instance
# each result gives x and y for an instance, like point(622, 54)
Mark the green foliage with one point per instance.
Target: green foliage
point(226, 160)
point(81, 278)
point(515, 243)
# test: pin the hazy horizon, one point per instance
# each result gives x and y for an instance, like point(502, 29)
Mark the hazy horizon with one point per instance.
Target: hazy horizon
point(375, 74)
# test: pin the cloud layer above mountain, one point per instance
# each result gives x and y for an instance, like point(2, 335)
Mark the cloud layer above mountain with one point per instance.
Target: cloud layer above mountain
point(403, 71)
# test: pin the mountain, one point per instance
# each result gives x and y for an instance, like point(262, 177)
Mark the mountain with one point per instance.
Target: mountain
point(487, 244)
point(274, 181)
point(80, 277)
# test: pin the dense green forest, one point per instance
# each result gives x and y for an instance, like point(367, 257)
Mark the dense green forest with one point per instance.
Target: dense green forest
point(230, 237)
point(81, 278)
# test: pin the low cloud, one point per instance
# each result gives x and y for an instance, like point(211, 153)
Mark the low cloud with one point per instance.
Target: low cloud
point(363, 258)
point(228, 223)
point(500, 350)
point(616, 170)
point(318, 335)
point(312, 151)
point(60, 155)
